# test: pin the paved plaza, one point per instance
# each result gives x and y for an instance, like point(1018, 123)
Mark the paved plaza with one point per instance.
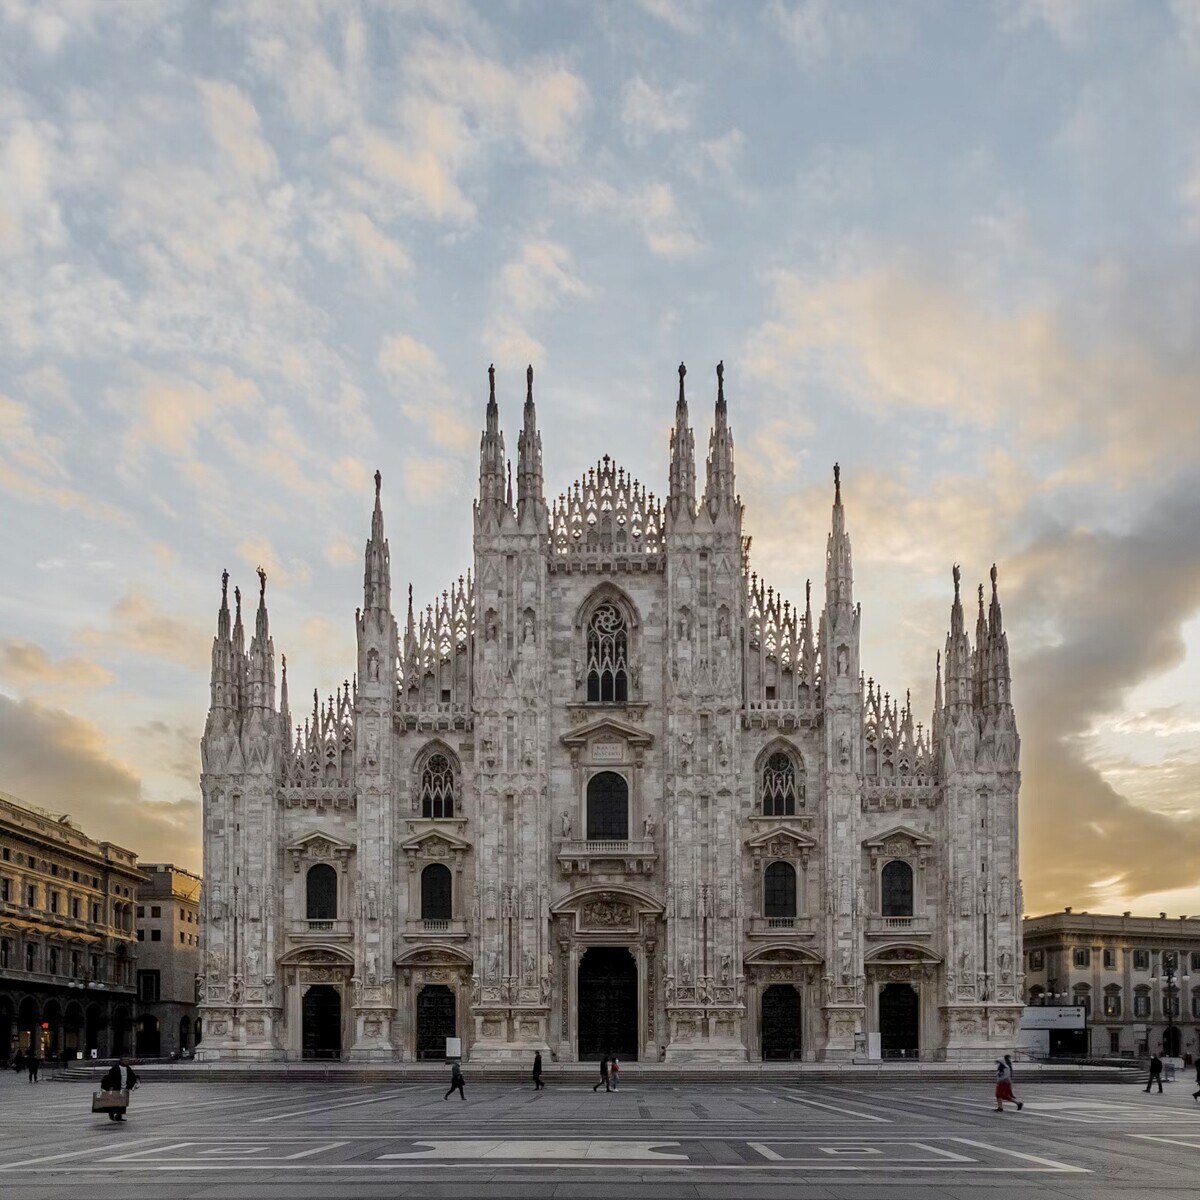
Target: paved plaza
point(304, 1141)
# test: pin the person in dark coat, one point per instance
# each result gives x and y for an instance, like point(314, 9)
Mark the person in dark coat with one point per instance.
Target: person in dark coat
point(603, 1074)
point(1196, 1094)
point(120, 1077)
point(456, 1082)
point(1155, 1073)
point(32, 1062)
point(537, 1072)
point(19, 1061)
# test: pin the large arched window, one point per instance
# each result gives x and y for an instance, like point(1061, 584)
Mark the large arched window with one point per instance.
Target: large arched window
point(437, 787)
point(608, 807)
point(321, 885)
point(607, 655)
point(782, 786)
point(779, 890)
point(897, 881)
point(436, 895)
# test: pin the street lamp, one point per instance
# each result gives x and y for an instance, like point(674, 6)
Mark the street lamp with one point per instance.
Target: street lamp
point(1170, 991)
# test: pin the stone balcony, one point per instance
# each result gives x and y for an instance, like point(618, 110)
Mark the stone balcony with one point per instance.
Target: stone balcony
point(780, 927)
point(420, 930)
point(323, 931)
point(608, 856)
point(891, 927)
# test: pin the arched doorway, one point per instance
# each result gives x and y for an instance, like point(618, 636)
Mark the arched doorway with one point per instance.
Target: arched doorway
point(1171, 1041)
point(780, 1022)
point(608, 998)
point(51, 1029)
point(435, 1020)
point(899, 1021)
point(322, 1022)
point(93, 1023)
point(29, 1026)
point(73, 1029)
point(149, 1037)
point(185, 1034)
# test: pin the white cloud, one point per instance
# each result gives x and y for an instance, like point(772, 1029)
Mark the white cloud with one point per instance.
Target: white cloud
point(651, 208)
point(647, 111)
point(236, 129)
point(684, 16)
point(417, 374)
point(825, 33)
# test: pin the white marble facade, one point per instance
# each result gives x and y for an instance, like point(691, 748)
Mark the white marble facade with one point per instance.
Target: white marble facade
point(611, 787)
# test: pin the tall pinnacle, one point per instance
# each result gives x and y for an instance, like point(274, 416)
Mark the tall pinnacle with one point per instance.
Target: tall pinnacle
point(720, 493)
point(491, 451)
point(681, 497)
point(839, 573)
point(529, 457)
point(377, 570)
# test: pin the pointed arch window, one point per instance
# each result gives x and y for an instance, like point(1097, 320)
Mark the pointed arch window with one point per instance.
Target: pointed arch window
point(782, 786)
point(607, 655)
point(897, 885)
point(437, 787)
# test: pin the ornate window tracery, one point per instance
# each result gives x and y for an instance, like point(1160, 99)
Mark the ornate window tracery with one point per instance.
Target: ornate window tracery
point(782, 789)
point(437, 787)
point(607, 655)
point(896, 880)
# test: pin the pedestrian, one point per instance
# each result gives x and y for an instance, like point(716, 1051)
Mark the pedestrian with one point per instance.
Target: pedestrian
point(19, 1061)
point(456, 1082)
point(537, 1072)
point(1155, 1073)
point(1004, 1089)
point(32, 1062)
point(614, 1072)
point(120, 1077)
point(603, 1074)
point(1196, 1094)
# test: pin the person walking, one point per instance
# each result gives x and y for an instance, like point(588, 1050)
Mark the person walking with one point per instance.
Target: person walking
point(603, 1074)
point(614, 1072)
point(32, 1062)
point(537, 1072)
point(1155, 1073)
point(456, 1082)
point(120, 1077)
point(19, 1061)
point(1004, 1088)
point(1196, 1094)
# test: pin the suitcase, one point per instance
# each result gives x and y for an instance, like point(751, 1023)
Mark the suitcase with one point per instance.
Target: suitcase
point(110, 1101)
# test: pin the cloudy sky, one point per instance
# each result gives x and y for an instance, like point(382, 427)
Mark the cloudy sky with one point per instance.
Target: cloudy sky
point(249, 252)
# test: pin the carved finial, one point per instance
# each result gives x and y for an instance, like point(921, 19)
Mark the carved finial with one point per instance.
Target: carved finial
point(837, 483)
point(378, 484)
point(721, 380)
point(981, 597)
point(237, 598)
point(529, 382)
point(262, 583)
point(224, 585)
point(993, 580)
point(682, 373)
point(492, 381)
point(957, 576)
point(283, 662)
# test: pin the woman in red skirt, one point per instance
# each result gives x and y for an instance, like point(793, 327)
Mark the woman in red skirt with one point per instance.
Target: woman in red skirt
point(1004, 1085)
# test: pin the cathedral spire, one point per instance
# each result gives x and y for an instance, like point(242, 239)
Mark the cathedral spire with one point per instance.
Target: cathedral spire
point(221, 690)
point(958, 654)
point(529, 460)
point(285, 712)
point(936, 724)
point(999, 679)
point(719, 490)
point(491, 451)
point(260, 661)
point(839, 573)
point(681, 498)
point(377, 571)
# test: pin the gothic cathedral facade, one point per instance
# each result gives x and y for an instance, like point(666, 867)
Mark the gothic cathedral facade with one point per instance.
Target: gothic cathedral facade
point(611, 794)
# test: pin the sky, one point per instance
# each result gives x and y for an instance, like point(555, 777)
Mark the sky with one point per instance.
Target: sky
point(250, 252)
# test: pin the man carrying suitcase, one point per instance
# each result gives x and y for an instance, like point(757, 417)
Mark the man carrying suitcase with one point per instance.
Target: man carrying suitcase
point(120, 1077)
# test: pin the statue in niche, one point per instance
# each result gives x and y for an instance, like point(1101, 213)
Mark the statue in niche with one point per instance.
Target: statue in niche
point(373, 666)
point(648, 827)
point(235, 989)
point(493, 966)
point(527, 751)
point(964, 964)
point(216, 906)
point(476, 990)
point(255, 903)
point(844, 896)
point(843, 748)
point(843, 660)
point(669, 901)
point(530, 964)
point(564, 822)
point(722, 750)
point(966, 897)
point(846, 965)
point(489, 901)
point(372, 903)
point(1005, 895)
point(252, 956)
point(726, 966)
point(489, 751)
point(529, 633)
point(1004, 961)
point(685, 967)
point(722, 623)
point(724, 901)
point(372, 967)
point(489, 633)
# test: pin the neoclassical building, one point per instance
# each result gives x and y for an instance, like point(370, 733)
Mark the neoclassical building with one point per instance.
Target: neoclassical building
point(610, 792)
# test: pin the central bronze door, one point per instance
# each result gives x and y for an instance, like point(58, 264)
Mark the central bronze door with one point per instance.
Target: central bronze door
point(899, 1022)
point(608, 998)
point(435, 1020)
point(781, 1022)
point(322, 1023)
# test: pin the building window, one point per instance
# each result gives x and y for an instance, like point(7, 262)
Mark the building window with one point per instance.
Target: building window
point(780, 790)
point(607, 656)
point(1110, 959)
point(95, 966)
point(897, 886)
point(1141, 1003)
point(1114, 1041)
point(156, 910)
point(1112, 1004)
point(1170, 1004)
point(1037, 960)
point(141, 910)
point(1081, 957)
point(156, 935)
point(54, 902)
point(437, 787)
point(5, 889)
point(181, 939)
point(30, 958)
point(5, 952)
point(1037, 995)
point(779, 890)
point(75, 908)
point(31, 896)
point(52, 964)
point(148, 986)
point(608, 807)
point(1141, 960)
point(1083, 997)
point(436, 893)
point(1170, 960)
point(321, 887)
point(95, 914)
point(1196, 1003)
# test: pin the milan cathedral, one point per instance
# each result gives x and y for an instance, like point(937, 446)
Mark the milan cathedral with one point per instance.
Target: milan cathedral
point(610, 794)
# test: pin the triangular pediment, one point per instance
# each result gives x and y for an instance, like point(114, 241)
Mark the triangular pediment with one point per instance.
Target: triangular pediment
point(607, 727)
point(898, 833)
point(783, 954)
point(787, 833)
point(428, 839)
point(318, 840)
